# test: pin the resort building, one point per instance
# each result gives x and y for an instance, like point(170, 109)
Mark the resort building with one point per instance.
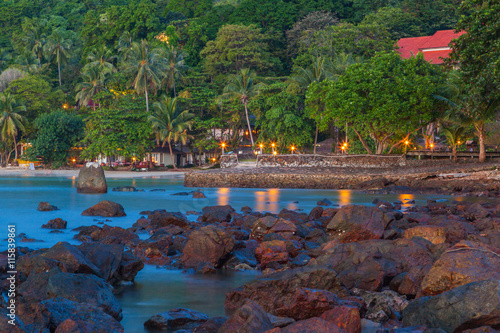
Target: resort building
point(435, 48)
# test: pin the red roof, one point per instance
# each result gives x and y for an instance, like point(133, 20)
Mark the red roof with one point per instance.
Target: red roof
point(440, 40)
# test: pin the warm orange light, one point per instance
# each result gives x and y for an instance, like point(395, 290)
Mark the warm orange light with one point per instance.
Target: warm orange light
point(261, 145)
point(74, 160)
point(213, 159)
point(292, 148)
point(407, 142)
point(458, 142)
point(133, 159)
point(255, 152)
point(432, 145)
point(223, 145)
point(415, 148)
point(272, 144)
point(65, 106)
point(275, 153)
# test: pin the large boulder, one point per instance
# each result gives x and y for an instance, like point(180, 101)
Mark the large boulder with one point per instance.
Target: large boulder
point(91, 179)
point(80, 288)
point(271, 251)
point(65, 315)
point(347, 317)
point(466, 307)
point(278, 290)
point(209, 244)
point(463, 263)
point(213, 214)
point(46, 207)
point(272, 225)
point(249, 318)
point(176, 319)
point(57, 223)
point(105, 209)
point(355, 223)
point(433, 234)
point(114, 264)
point(160, 218)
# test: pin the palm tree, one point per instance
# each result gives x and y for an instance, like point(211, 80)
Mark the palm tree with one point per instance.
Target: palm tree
point(454, 136)
point(34, 39)
point(93, 82)
point(5, 56)
point(28, 62)
point(58, 48)
point(469, 108)
point(174, 59)
point(124, 42)
point(11, 122)
point(319, 70)
point(144, 67)
point(169, 124)
point(101, 57)
point(242, 86)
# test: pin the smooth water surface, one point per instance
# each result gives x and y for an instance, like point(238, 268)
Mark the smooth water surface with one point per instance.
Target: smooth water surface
point(156, 290)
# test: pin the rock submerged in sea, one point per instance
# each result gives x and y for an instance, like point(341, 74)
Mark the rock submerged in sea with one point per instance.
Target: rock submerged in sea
point(57, 223)
point(91, 179)
point(46, 207)
point(105, 208)
point(176, 319)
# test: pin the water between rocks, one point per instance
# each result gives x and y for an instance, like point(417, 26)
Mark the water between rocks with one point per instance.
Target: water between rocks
point(156, 290)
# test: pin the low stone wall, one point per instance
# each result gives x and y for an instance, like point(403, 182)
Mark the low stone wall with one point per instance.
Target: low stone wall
point(228, 161)
point(341, 161)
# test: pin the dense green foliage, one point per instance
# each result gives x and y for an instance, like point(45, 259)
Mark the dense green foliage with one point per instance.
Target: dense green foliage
point(58, 132)
point(241, 66)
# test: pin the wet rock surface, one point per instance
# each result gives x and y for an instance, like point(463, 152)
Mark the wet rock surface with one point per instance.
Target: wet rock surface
point(91, 179)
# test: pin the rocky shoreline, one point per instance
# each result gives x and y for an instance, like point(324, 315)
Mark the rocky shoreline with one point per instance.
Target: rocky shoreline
point(434, 268)
point(468, 179)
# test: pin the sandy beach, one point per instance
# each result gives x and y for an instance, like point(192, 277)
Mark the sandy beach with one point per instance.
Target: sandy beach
point(24, 172)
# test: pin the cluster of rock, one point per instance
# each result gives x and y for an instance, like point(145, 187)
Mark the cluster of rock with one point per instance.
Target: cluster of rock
point(69, 288)
point(435, 268)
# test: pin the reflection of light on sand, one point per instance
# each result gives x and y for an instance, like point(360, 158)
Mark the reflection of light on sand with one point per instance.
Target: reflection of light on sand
point(344, 197)
point(273, 198)
point(223, 196)
point(405, 197)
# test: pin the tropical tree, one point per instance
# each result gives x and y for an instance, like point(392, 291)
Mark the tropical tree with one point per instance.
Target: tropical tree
point(102, 58)
point(124, 42)
point(145, 68)
point(11, 121)
point(454, 136)
point(170, 125)
point(34, 39)
point(174, 59)
point(242, 86)
point(319, 70)
point(58, 49)
point(94, 81)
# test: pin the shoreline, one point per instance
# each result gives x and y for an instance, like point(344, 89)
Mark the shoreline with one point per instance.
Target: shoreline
point(470, 179)
point(23, 172)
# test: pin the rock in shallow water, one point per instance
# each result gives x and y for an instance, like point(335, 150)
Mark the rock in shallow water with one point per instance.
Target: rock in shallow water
point(91, 179)
point(105, 208)
point(176, 319)
point(46, 207)
point(57, 223)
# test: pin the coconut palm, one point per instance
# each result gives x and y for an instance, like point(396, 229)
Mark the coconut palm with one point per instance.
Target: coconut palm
point(93, 82)
point(28, 62)
point(34, 39)
point(144, 67)
point(124, 42)
point(102, 58)
point(5, 56)
point(58, 49)
point(454, 136)
point(174, 60)
point(242, 86)
point(170, 125)
point(11, 122)
point(468, 108)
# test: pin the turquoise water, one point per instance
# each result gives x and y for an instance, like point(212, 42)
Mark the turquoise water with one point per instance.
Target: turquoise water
point(155, 290)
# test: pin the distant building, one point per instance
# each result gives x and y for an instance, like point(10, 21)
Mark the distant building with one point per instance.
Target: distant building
point(435, 48)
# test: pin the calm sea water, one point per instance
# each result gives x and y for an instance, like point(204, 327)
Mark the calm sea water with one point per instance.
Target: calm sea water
point(156, 290)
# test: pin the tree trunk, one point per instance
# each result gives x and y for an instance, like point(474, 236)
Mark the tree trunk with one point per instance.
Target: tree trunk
point(248, 123)
point(171, 154)
point(454, 153)
point(380, 147)
point(147, 100)
point(315, 140)
point(15, 149)
point(482, 150)
point(363, 142)
point(59, 70)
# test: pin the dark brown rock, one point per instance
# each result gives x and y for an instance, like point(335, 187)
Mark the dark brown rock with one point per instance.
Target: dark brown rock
point(346, 317)
point(208, 244)
point(105, 209)
point(466, 307)
point(213, 214)
point(463, 263)
point(56, 223)
point(176, 319)
point(91, 179)
point(46, 207)
point(248, 318)
point(198, 195)
point(356, 223)
point(312, 325)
